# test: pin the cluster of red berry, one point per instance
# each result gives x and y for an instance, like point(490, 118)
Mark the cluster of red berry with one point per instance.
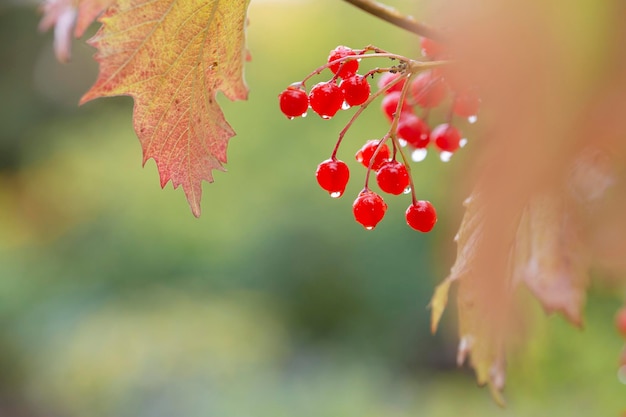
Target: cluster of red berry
point(406, 86)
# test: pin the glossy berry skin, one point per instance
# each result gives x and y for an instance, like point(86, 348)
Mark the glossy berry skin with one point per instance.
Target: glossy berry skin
point(389, 105)
point(332, 176)
point(326, 99)
point(386, 79)
point(392, 177)
point(421, 216)
point(431, 48)
point(446, 137)
point(364, 155)
point(413, 130)
point(293, 101)
point(345, 68)
point(356, 90)
point(428, 89)
point(466, 103)
point(620, 321)
point(369, 209)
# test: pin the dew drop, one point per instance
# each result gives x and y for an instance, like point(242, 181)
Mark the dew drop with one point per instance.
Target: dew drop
point(345, 106)
point(325, 116)
point(303, 114)
point(407, 190)
point(402, 142)
point(445, 156)
point(419, 154)
point(369, 227)
point(472, 119)
point(290, 117)
point(335, 194)
point(462, 142)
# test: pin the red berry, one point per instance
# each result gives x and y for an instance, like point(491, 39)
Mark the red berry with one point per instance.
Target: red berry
point(466, 103)
point(326, 99)
point(620, 321)
point(446, 137)
point(356, 90)
point(421, 216)
point(428, 89)
point(389, 105)
point(392, 177)
point(431, 48)
point(364, 155)
point(369, 209)
point(346, 68)
point(293, 101)
point(387, 78)
point(332, 175)
point(413, 130)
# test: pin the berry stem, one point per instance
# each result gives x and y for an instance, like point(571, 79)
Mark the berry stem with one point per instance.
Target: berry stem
point(358, 113)
point(381, 143)
point(413, 66)
point(406, 163)
point(450, 115)
point(393, 16)
point(393, 130)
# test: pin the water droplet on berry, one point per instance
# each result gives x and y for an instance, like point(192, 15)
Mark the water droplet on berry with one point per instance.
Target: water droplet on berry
point(402, 142)
point(345, 106)
point(290, 117)
point(419, 154)
point(472, 119)
point(445, 156)
point(336, 194)
point(407, 190)
point(304, 114)
point(462, 142)
point(326, 117)
point(369, 227)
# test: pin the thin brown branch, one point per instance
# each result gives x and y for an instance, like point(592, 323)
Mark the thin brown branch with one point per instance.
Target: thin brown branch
point(393, 16)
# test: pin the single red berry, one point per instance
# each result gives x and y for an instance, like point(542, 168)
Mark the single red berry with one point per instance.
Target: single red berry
point(356, 90)
point(326, 99)
point(620, 321)
point(389, 105)
point(387, 78)
point(421, 216)
point(466, 103)
point(392, 177)
point(365, 154)
point(346, 68)
point(293, 101)
point(446, 137)
point(431, 48)
point(332, 175)
point(428, 89)
point(369, 209)
point(413, 130)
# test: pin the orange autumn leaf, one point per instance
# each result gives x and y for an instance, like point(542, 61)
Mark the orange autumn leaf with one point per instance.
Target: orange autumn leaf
point(88, 10)
point(548, 201)
point(172, 57)
point(550, 256)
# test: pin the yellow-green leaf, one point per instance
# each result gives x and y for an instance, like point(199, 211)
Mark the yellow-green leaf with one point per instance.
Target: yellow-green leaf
point(172, 57)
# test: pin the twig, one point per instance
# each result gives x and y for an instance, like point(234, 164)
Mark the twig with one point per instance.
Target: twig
point(393, 16)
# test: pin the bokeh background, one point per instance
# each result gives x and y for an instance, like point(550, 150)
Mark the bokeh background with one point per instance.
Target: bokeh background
point(116, 301)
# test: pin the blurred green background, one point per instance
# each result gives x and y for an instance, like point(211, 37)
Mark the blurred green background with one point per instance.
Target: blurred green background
point(116, 301)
